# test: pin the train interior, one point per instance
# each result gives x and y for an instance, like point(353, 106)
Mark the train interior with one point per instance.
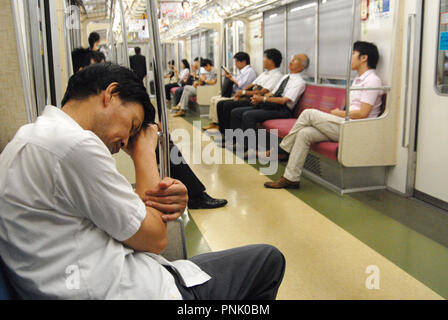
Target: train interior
point(375, 203)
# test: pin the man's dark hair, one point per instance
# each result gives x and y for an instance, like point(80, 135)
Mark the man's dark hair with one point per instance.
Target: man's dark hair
point(197, 59)
point(96, 78)
point(205, 62)
point(370, 50)
point(93, 37)
point(171, 62)
point(98, 56)
point(274, 55)
point(137, 50)
point(81, 58)
point(242, 56)
point(186, 64)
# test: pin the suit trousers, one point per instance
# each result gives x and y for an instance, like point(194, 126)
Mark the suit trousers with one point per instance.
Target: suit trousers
point(312, 126)
point(183, 173)
point(224, 109)
point(252, 272)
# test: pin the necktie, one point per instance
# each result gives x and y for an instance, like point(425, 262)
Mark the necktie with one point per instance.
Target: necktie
point(282, 87)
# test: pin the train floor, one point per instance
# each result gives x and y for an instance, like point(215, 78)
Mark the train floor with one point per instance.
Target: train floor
point(370, 245)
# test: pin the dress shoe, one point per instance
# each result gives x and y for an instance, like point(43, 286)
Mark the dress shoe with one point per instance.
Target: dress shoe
point(210, 126)
point(204, 201)
point(180, 113)
point(282, 183)
point(176, 108)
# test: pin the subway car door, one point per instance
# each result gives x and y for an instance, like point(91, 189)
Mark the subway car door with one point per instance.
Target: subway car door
point(431, 180)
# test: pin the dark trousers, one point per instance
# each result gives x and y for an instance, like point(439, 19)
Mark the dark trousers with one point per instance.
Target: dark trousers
point(183, 173)
point(252, 272)
point(248, 117)
point(224, 109)
point(168, 88)
point(178, 95)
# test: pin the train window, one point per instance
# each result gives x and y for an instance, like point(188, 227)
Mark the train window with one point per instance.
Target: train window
point(274, 27)
point(302, 16)
point(334, 35)
point(442, 50)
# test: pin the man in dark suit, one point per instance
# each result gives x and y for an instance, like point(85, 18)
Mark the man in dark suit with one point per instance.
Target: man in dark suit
point(138, 63)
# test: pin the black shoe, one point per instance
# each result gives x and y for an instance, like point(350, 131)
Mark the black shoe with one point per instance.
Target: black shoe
point(204, 201)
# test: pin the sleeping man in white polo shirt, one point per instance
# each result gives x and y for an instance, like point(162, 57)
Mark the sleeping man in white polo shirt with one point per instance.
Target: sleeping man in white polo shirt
point(315, 126)
point(72, 227)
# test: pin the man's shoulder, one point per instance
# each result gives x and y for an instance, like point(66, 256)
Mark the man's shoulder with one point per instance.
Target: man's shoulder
point(56, 138)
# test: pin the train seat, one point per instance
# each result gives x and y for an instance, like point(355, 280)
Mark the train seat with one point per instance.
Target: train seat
point(321, 98)
point(343, 168)
point(173, 90)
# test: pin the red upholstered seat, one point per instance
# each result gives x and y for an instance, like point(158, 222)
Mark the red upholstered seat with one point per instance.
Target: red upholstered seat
point(328, 149)
point(194, 99)
point(314, 97)
point(173, 90)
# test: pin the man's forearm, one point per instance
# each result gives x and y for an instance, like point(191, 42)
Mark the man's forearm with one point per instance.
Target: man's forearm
point(146, 172)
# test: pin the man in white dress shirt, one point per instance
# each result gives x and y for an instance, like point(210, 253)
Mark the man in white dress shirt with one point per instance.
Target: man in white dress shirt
point(277, 104)
point(265, 83)
point(245, 77)
point(72, 227)
point(315, 125)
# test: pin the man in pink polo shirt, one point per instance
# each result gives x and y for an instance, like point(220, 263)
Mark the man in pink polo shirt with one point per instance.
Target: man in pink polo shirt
point(315, 126)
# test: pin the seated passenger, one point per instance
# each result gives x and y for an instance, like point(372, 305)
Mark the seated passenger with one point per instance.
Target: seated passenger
point(315, 126)
point(263, 84)
point(245, 77)
point(194, 75)
point(72, 227)
point(171, 73)
point(277, 104)
point(198, 198)
point(207, 79)
point(183, 77)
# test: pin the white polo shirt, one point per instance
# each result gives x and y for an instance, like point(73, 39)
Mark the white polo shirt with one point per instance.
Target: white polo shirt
point(64, 210)
point(294, 88)
point(269, 79)
point(368, 79)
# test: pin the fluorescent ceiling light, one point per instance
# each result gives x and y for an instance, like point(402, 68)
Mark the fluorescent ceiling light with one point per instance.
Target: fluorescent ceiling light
point(306, 6)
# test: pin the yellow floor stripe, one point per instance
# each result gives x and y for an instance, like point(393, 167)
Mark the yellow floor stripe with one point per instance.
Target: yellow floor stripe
point(323, 260)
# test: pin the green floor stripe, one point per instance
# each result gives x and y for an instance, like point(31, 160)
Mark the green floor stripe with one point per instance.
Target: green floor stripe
point(387, 223)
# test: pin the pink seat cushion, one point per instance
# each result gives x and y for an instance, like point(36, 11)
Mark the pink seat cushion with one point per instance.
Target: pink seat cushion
point(328, 149)
point(321, 98)
point(282, 125)
point(173, 90)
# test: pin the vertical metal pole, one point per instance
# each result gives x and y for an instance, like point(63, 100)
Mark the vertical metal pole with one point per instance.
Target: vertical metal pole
point(111, 31)
point(285, 36)
point(316, 44)
point(349, 67)
point(68, 45)
point(124, 34)
point(151, 9)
